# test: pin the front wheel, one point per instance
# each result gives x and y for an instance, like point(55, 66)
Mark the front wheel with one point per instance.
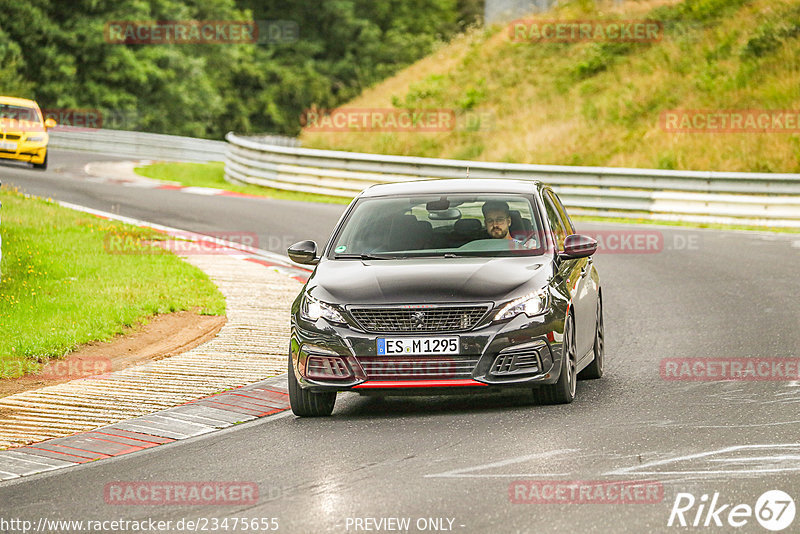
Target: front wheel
point(43, 165)
point(306, 403)
point(563, 391)
point(595, 369)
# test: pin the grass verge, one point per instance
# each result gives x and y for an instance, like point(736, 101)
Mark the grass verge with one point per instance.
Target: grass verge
point(213, 175)
point(61, 288)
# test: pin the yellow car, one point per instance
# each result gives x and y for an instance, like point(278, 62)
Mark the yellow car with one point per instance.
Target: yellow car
point(23, 132)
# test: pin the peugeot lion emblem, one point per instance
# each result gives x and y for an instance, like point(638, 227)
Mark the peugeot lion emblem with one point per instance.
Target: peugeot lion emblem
point(419, 319)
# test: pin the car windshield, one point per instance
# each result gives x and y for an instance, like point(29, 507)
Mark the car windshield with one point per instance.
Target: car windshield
point(19, 113)
point(443, 225)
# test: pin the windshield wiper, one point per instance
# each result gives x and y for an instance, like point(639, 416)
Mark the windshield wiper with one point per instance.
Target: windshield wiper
point(442, 255)
point(362, 257)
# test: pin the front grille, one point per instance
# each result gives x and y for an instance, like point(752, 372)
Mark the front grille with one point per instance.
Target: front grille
point(12, 137)
point(440, 367)
point(419, 319)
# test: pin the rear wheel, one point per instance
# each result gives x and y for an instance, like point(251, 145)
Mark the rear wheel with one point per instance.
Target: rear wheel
point(595, 369)
point(306, 403)
point(563, 391)
point(43, 165)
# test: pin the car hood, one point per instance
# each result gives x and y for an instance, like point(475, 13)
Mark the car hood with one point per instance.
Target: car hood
point(427, 280)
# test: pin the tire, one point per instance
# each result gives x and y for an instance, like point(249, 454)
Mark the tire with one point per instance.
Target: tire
point(306, 403)
point(43, 165)
point(595, 369)
point(563, 391)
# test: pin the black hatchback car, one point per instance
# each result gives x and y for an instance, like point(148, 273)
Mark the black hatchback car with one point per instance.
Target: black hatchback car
point(447, 286)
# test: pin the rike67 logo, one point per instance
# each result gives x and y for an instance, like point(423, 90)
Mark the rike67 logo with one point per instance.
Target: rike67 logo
point(774, 510)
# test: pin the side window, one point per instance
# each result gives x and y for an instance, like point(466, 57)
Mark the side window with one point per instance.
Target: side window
point(568, 226)
point(556, 225)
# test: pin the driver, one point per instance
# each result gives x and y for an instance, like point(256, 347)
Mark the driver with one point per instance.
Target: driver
point(498, 219)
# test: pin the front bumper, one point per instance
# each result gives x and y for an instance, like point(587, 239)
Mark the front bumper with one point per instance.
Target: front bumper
point(26, 151)
point(521, 352)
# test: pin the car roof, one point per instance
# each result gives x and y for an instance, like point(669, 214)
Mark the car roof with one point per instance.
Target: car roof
point(14, 101)
point(453, 185)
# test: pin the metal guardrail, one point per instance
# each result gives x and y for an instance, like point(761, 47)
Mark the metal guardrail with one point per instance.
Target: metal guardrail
point(151, 146)
point(138, 144)
point(762, 199)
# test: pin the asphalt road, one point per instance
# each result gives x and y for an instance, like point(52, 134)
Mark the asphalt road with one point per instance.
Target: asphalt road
point(697, 294)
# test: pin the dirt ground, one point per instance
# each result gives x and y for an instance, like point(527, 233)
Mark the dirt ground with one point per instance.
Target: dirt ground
point(164, 336)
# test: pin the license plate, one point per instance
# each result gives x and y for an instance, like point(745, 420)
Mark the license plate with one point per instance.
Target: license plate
point(6, 145)
point(417, 346)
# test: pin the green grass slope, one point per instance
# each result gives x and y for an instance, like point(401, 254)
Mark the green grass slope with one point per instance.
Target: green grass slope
point(600, 103)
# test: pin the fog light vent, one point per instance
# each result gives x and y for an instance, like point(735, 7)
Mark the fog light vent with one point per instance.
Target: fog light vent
point(326, 368)
point(516, 363)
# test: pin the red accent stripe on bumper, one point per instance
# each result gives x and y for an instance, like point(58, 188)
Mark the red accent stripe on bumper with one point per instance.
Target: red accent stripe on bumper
point(417, 383)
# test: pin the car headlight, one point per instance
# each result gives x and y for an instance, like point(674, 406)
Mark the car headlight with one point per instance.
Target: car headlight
point(35, 138)
point(532, 304)
point(312, 309)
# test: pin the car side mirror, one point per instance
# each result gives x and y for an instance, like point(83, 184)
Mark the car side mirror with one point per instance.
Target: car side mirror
point(304, 252)
point(578, 246)
point(50, 123)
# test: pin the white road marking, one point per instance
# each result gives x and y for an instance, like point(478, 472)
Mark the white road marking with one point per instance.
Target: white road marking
point(206, 191)
point(752, 425)
point(645, 469)
point(740, 459)
point(465, 472)
point(285, 265)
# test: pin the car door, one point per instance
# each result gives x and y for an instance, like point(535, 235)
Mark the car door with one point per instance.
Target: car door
point(567, 270)
point(580, 285)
